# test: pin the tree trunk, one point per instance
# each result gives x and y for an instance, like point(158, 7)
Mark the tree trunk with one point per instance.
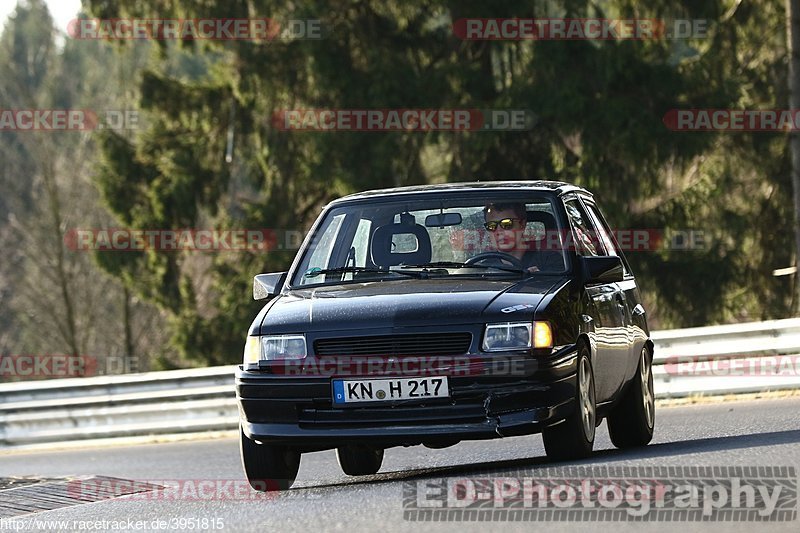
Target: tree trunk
point(793, 45)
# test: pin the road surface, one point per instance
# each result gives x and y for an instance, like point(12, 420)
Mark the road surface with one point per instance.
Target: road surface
point(741, 433)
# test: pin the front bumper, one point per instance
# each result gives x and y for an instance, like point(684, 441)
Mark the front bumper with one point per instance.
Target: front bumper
point(298, 410)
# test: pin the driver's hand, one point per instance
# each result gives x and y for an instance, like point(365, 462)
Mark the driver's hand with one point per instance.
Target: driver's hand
point(532, 269)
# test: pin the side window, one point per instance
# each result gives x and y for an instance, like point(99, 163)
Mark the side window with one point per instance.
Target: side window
point(357, 253)
point(602, 233)
point(361, 241)
point(323, 249)
point(583, 231)
point(605, 234)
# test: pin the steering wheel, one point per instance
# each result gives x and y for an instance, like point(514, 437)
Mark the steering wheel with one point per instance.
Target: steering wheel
point(499, 257)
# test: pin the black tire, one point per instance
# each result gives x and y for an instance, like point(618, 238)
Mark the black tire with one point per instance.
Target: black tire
point(359, 460)
point(267, 467)
point(631, 423)
point(574, 437)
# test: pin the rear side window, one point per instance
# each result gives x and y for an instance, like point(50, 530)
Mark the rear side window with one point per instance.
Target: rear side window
point(604, 235)
point(583, 231)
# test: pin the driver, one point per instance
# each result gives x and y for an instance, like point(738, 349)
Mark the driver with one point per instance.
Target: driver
point(507, 222)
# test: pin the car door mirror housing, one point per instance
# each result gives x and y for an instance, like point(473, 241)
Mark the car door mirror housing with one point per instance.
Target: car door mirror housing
point(266, 286)
point(606, 269)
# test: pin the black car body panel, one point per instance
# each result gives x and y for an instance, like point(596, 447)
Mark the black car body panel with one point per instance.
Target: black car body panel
point(403, 303)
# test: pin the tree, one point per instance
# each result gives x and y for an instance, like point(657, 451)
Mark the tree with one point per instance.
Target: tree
point(55, 300)
point(599, 106)
point(793, 45)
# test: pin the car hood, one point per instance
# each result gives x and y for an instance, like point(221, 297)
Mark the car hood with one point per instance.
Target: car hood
point(405, 303)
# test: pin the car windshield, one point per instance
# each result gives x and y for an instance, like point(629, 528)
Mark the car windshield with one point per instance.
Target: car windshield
point(384, 240)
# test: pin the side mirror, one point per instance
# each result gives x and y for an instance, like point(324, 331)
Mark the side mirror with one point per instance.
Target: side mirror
point(606, 269)
point(268, 285)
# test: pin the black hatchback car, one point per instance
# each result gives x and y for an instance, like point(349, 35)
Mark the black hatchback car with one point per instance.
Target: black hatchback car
point(434, 314)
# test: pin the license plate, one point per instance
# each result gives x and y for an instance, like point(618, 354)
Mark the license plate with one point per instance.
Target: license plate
point(387, 390)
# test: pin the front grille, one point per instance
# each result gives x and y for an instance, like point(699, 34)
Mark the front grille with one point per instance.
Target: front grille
point(388, 345)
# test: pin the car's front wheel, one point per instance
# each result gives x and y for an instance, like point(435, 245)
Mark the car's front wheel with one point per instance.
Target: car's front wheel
point(574, 437)
point(631, 422)
point(268, 467)
point(359, 460)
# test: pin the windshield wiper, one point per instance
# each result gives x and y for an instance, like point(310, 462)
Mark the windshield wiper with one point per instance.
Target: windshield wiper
point(456, 264)
point(314, 272)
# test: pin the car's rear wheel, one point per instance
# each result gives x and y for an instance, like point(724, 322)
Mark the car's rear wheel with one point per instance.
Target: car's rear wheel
point(631, 422)
point(359, 460)
point(268, 467)
point(574, 437)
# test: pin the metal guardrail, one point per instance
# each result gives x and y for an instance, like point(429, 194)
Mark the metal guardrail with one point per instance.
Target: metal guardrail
point(176, 401)
point(711, 360)
point(729, 359)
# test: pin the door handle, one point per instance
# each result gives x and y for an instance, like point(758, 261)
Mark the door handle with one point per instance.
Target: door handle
point(638, 310)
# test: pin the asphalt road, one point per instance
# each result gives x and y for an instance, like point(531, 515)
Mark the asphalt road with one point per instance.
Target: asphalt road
point(742, 433)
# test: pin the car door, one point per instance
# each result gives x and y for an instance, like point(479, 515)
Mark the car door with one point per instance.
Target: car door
point(605, 308)
point(634, 313)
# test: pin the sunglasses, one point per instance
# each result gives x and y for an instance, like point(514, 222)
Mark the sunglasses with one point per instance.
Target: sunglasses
point(506, 223)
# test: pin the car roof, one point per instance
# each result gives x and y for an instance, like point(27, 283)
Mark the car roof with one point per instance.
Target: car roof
point(557, 187)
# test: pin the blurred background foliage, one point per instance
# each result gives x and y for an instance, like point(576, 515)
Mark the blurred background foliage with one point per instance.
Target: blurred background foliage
point(206, 155)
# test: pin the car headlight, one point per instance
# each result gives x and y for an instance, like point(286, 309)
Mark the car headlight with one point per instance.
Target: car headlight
point(517, 336)
point(252, 351)
point(274, 348)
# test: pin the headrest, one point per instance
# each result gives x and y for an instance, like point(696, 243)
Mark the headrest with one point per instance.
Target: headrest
point(540, 241)
point(381, 249)
point(548, 220)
